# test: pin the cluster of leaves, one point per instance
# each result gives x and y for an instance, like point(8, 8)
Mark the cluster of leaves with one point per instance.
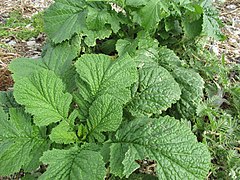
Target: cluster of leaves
point(107, 92)
point(218, 117)
point(17, 26)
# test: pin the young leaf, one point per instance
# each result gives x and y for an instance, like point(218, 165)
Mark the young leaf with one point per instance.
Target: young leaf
point(157, 91)
point(99, 75)
point(74, 163)
point(20, 143)
point(43, 95)
point(62, 134)
point(167, 141)
point(105, 115)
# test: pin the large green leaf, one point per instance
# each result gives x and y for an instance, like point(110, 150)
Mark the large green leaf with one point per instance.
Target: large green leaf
point(24, 67)
point(44, 97)
point(68, 17)
point(20, 143)
point(168, 59)
point(192, 86)
point(157, 90)
point(65, 18)
point(105, 115)
point(167, 141)
point(57, 58)
point(74, 163)
point(153, 12)
point(99, 74)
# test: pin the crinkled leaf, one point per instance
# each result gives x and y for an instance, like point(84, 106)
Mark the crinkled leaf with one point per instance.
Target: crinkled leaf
point(192, 86)
point(124, 46)
point(157, 91)
point(105, 114)
point(24, 67)
point(3, 115)
point(153, 12)
point(167, 141)
point(44, 97)
point(65, 18)
point(63, 134)
point(211, 23)
point(74, 163)
point(20, 143)
point(97, 19)
point(99, 74)
point(7, 100)
point(168, 59)
point(59, 59)
point(68, 17)
point(83, 98)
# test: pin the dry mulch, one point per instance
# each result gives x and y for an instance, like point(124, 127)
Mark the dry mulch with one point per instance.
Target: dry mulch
point(12, 48)
point(230, 16)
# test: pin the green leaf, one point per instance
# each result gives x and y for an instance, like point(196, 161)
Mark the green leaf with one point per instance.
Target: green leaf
point(97, 19)
point(65, 18)
point(3, 115)
point(167, 141)
point(136, 3)
point(59, 59)
point(20, 143)
point(68, 17)
point(124, 46)
point(99, 74)
point(211, 23)
point(192, 86)
point(7, 100)
point(44, 97)
point(168, 59)
point(30, 66)
point(192, 29)
point(153, 12)
point(157, 91)
point(74, 163)
point(63, 134)
point(105, 114)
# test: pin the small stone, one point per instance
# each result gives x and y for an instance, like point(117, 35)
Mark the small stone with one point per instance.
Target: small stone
point(236, 23)
point(31, 43)
point(12, 43)
point(231, 6)
point(214, 49)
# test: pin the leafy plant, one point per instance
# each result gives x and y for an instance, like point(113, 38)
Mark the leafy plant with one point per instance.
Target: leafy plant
point(107, 92)
point(217, 122)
